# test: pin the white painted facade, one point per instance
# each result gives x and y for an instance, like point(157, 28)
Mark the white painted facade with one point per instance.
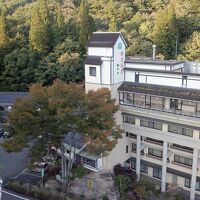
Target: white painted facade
point(163, 137)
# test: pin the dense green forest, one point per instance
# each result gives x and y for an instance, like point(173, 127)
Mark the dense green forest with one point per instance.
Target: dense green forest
point(44, 40)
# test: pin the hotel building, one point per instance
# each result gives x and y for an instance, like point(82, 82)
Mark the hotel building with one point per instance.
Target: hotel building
point(159, 111)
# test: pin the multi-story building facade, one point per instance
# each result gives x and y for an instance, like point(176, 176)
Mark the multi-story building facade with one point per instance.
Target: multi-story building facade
point(159, 111)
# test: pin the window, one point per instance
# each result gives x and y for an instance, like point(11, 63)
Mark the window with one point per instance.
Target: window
point(92, 71)
point(136, 77)
point(184, 80)
point(127, 134)
point(134, 147)
point(180, 130)
point(155, 152)
point(154, 141)
point(157, 173)
point(187, 182)
point(183, 160)
point(151, 124)
point(198, 185)
point(128, 119)
point(128, 98)
point(132, 135)
point(144, 168)
point(126, 148)
point(173, 104)
point(133, 164)
point(182, 147)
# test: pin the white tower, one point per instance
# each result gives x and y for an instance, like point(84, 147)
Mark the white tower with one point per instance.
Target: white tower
point(105, 61)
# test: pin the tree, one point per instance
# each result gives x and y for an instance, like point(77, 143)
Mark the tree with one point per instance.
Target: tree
point(85, 24)
point(142, 192)
point(3, 34)
point(20, 67)
point(112, 16)
point(192, 47)
point(40, 36)
point(122, 185)
point(61, 109)
point(165, 32)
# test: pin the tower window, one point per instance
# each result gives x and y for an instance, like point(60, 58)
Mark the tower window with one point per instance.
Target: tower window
point(92, 71)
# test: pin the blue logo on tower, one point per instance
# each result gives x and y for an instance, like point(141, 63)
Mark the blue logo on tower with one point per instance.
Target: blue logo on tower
point(120, 45)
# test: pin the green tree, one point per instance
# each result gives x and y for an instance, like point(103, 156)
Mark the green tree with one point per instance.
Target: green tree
point(112, 16)
point(3, 33)
point(192, 47)
point(142, 192)
point(20, 66)
point(122, 185)
point(60, 109)
point(40, 35)
point(59, 26)
point(165, 32)
point(85, 24)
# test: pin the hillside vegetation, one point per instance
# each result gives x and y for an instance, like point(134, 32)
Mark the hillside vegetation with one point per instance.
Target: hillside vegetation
point(44, 40)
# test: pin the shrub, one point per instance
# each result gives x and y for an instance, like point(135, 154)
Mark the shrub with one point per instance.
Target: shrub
point(105, 198)
point(79, 171)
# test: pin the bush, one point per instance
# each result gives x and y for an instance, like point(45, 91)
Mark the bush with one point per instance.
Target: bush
point(122, 185)
point(36, 192)
point(105, 198)
point(79, 171)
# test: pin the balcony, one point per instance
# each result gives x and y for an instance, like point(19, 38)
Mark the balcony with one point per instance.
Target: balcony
point(160, 104)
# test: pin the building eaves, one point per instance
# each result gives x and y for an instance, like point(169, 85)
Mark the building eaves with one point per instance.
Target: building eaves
point(160, 90)
point(160, 71)
point(93, 60)
point(154, 62)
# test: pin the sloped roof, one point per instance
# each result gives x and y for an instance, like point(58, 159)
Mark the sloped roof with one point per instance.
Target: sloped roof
point(161, 90)
point(10, 97)
point(104, 39)
point(93, 60)
point(76, 140)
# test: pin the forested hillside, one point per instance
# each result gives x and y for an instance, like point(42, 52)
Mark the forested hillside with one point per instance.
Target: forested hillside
point(42, 40)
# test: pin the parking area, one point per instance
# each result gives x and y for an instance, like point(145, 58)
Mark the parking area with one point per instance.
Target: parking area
point(11, 164)
point(28, 176)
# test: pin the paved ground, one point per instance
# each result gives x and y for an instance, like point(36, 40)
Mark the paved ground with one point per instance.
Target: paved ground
point(9, 195)
point(12, 164)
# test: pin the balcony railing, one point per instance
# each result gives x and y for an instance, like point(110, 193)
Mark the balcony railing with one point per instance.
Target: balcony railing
point(159, 108)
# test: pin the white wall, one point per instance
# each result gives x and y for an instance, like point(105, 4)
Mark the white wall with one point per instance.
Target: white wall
point(163, 79)
point(92, 79)
point(106, 72)
point(100, 51)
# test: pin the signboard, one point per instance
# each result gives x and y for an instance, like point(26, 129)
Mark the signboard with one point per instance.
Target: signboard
point(42, 173)
point(120, 45)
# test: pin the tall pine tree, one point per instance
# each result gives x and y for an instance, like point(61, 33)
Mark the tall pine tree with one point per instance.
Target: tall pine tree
point(85, 25)
point(3, 35)
point(165, 32)
point(112, 16)
point(40, 35)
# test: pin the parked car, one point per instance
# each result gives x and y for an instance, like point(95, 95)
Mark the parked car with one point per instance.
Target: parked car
point(7, 134)
point(38, 167)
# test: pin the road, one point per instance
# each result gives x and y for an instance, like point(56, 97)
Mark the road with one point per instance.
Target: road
point(8, 195)
point(12, 164)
